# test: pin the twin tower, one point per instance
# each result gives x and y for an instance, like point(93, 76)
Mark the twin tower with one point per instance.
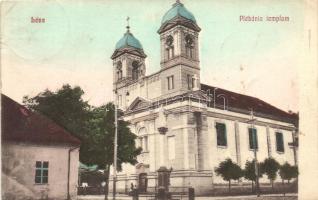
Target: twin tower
point(180, 69)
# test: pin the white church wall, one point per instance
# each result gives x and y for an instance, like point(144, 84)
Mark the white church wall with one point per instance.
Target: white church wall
point(154, 88)
point(174, 150)
point(246, 152)
point(288, 154)
point(245, 117)
point(218, 154)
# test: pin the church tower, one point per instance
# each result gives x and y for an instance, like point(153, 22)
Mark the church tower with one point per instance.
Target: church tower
point(180, 67)
point(128, 65)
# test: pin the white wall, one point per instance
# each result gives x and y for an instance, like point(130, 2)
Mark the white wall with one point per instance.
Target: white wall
point(18, 160)
point(219, 154)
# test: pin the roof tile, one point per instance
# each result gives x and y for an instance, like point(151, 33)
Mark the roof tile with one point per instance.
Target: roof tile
point(22, 125)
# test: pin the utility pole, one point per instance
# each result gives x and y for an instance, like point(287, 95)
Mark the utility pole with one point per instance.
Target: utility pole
point(252, 120)
point(115, 148)
point(255, 154)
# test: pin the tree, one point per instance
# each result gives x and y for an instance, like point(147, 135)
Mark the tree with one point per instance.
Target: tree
point(229, 171)
point(93, 125)
point(66, 107)
point(100, 141)
point(249, 172)
point(295, 172)
point(270, 167)
point(287, 172)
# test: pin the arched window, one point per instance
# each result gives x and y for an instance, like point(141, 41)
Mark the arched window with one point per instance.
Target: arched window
point(169, 47)
point(143, 139)
point(119, 71)
point(135, 70)
point(189, 45)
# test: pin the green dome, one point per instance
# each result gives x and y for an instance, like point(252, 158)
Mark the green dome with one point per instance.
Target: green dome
point(178, 9)
point(128, 40)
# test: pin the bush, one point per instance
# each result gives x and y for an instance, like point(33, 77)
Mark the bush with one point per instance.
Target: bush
point(270, 167)
point(287, 172)
point(229, 171)
point(249, 172)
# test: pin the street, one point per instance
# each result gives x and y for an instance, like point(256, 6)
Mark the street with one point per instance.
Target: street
point(264, 197)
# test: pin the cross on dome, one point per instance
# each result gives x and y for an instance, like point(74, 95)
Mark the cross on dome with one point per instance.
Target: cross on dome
point(127, 19)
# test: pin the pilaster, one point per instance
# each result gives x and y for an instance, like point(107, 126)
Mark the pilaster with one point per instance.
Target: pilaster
point(269, 146)
point(237, 143)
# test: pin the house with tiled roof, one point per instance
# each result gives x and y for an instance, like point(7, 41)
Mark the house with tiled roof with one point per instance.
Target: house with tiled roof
point(39, 158)
point(187, 126)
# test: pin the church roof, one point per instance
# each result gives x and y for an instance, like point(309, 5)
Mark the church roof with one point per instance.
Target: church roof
point(234, 102)
point(128, 40)
point(242, 103)
point(19, 124)
point(178, 9)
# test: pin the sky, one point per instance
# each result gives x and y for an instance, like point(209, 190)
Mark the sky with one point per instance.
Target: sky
point(76, 41)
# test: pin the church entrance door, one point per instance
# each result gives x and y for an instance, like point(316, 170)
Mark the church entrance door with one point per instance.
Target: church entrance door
point(143, 182)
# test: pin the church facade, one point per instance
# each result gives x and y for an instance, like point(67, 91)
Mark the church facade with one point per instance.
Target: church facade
point(185, 125)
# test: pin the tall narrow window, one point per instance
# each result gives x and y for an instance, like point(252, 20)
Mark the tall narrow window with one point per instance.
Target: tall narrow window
point(171, 51)
point(135, 70)
point(119, 71)
point(190, 82)
point(41, 172)
point(171, 148)
point(170, 82)
point(189, 46)
point(279, 142)
point(145, 148)
point(168, 53)
point(169, 47)
point(252, 136)
point(221, 134)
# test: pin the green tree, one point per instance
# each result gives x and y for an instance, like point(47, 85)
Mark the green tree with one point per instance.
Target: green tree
point(229, 171)
point(270, 167)
point(295, 172)
point(100, 141)
point(93, 125)
point(287, 172)
point(66, 107)
point(249, 172)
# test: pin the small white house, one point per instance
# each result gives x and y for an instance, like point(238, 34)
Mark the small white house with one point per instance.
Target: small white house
point(39, 158)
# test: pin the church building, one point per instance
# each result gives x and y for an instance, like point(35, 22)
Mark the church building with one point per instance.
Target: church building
point(185, 125)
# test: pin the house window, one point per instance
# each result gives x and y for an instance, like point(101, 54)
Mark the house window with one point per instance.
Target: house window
point(41, 172)
point(221, 134)
point(170, 82)
point(190, 81)
point(279, 142)
point(252, 136)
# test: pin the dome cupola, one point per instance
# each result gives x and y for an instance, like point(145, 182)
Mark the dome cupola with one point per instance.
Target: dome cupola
point(178, 9)
point(178, 15)
point(128, 44)
point(128, 40)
